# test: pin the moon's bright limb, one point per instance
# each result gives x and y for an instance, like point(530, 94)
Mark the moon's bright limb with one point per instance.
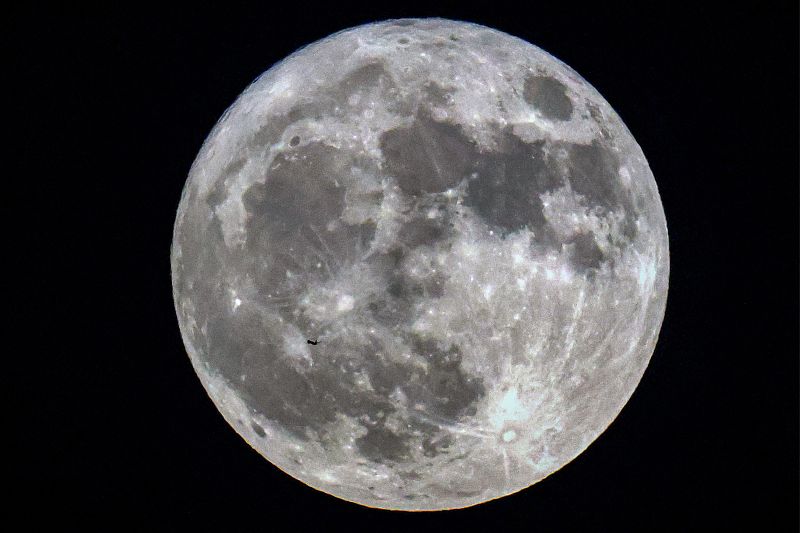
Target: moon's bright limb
point(467, 229)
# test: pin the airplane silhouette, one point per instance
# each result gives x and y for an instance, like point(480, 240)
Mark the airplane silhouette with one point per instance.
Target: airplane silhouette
point(312, 342)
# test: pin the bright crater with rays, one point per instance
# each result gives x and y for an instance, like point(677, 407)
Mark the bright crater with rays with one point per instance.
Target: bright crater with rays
point(466, 227)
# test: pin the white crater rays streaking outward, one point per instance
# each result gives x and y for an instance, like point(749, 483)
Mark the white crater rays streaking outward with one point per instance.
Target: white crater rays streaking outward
point(468, 231)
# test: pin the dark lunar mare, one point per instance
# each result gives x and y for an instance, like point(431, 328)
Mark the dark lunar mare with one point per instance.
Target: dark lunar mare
point(505, 186)
point(289, 213)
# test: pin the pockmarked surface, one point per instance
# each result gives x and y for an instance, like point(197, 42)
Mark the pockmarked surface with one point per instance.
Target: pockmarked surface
point(467, 230)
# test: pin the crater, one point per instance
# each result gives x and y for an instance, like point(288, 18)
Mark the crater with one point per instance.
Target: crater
point(258, 429)
point(509, 435)
point(548, 96)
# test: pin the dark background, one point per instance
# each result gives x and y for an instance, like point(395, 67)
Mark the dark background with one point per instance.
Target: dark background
point(111, 425)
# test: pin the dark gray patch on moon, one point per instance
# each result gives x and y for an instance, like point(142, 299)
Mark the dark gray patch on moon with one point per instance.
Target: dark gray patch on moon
point(273, 127)
point(585, 253)
point(444, 393)
point(594, 173)
point(282, 203)
point(505, 186)
point(361, 80)
point(259, 430)
point(428, 156)
point(287, 225)
point(507, 189)
point(382, 445)
point(548, 96)
point(429, 222)
point(306, 399)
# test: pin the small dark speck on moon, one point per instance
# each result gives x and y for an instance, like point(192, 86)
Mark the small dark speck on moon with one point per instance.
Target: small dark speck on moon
point(259, 430)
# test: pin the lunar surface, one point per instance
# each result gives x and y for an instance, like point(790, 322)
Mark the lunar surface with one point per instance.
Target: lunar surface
point(467, 230)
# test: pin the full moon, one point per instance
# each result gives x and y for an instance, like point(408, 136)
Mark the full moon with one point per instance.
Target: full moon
point(420, 264)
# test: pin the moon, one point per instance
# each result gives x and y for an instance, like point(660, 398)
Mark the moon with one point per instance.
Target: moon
point(467, 231)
